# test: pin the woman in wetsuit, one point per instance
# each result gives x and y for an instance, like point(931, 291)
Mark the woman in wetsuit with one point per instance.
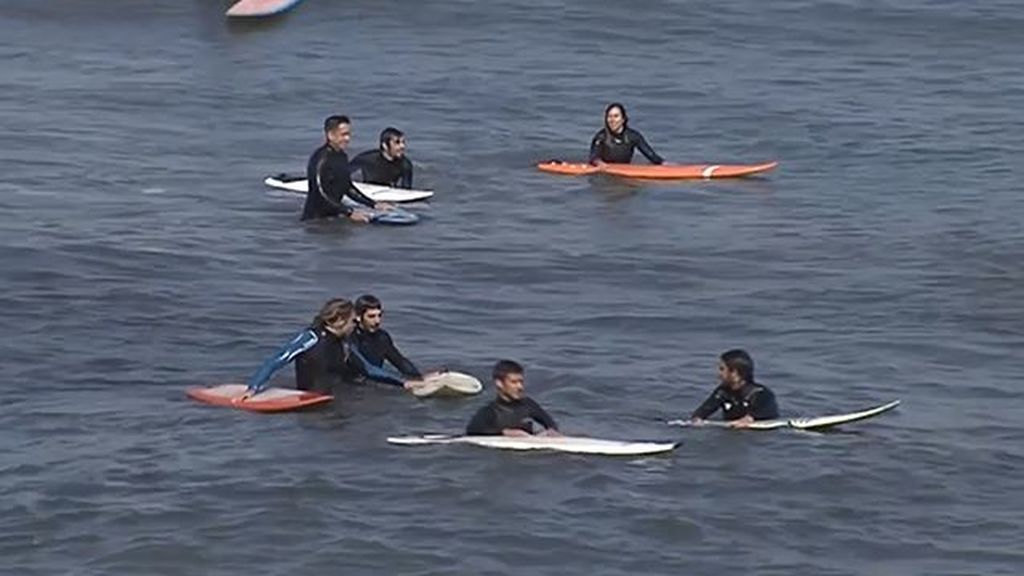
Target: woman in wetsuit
point(616, 142)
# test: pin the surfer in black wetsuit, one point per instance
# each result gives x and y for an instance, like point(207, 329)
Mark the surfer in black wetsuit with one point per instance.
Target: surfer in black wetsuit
point(512, 413)
point(616, 142)
point(387, 165)
point(738, 396)
point(328, 175)
point(372, 346)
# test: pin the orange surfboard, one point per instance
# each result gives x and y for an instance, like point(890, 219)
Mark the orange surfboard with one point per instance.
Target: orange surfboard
point(659, 171)
point(269, 400)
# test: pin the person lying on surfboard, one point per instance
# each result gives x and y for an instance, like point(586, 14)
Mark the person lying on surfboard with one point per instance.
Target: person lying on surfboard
point(616, 142)
point(372, 346)
point(321, 353)
point(741, 399)
point(512, 413)
point(387, 165)
point(329, 179)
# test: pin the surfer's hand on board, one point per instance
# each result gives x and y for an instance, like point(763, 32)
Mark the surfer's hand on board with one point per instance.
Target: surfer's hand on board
point(515, 432)
point(413, 384)
point(249, 393)
point(696, 421)
point(551, 433)
point(742, 422)
point(385, 206)
point(358, 216)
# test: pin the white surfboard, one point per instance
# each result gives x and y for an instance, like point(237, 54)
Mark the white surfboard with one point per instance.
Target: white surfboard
point(819, 423)
point(448, 384)
point(375, 192)
point(575, 445)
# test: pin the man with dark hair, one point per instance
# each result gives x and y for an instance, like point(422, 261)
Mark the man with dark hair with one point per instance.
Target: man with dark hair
point(328, 176)
point(741, 399)
point(388, 164)
point(373, 344)
point(512, 413)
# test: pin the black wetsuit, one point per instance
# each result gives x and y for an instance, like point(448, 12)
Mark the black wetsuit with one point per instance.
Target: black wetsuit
point(500, 414)
point(376, 347)
point(619, 148)
point(322, 361)
point(752, 400)
point(377, 169)
point(328, 175)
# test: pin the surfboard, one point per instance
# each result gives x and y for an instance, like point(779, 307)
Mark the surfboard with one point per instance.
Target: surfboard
point(575, 445)
point(257, 8)
point(448, 384)
point(818, 423)
point(375, 192)
point(269, 400)
point(658, 171)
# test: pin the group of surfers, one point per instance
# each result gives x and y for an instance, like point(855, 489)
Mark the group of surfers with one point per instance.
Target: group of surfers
point(329, 171)
point(347, 343)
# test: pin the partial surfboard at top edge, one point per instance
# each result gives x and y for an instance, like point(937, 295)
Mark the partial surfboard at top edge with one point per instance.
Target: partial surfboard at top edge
point(659, 171)
point(259, 8)
point(570, 444)
point(818, 423)
point(375, 192)
point(269, 400)
point(448, 384)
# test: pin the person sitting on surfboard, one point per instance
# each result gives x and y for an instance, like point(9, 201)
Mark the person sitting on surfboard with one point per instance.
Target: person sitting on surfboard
point(372, 346)
point(322, 354)
point(512, 413)
point(387, 165)
point(329, 179)
point(616, 142)
point(741, 399)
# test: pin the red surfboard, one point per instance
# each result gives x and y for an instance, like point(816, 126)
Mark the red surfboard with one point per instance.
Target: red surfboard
point(269, 400)
point(659, 171)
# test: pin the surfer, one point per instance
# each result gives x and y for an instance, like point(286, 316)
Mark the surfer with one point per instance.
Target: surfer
point(372, 346)
point(616, 142)
point(741, 399)
point(329, 179)
point(387, 165)
point(512, 413)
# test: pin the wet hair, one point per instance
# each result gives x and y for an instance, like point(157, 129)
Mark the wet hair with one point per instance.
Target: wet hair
point(332, 122)
point(367, 302)
point(625, 116)
point(505, 367)
point(740, 362)
point(334, 310)
point(388, 134)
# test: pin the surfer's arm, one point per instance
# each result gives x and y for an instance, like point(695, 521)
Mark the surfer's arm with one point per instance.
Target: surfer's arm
point(406, 180)
point(297, 345)
point(371, 371)
point(595, 147)
point(332, 189)
point(708, 407)
point(403, 364)
point(538, 414)
point(763, 406)
point(646, 150)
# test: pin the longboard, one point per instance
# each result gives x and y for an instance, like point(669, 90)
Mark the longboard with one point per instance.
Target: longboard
point(448, 384)
point(659, 171)
point(575, 445)
point(269, 400)
point(257, 8)
point(375, 192)
point(819, 423)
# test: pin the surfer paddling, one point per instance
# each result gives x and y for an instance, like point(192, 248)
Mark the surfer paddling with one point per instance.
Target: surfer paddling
point(616, 142)
point(329, 178)
point(373, 346)
point(512, 413)
point(738, 396)
point(387, 165)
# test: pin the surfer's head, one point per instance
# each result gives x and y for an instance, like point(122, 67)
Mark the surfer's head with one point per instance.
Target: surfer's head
point(336, 316)
point(338, 130)
point(369, 312)
point(615, 117)
point(509, 379)
point(735, 368)
point(392, 143)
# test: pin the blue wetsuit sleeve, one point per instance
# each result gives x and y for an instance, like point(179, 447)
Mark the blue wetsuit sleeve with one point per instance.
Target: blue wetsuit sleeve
point(406, 180)
point(763, 405)
point(540, 415)
point(297, 345)
point(709, 406)
point(369, 370)
point(646, 150)
point(483, 423)
point(595, 146)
